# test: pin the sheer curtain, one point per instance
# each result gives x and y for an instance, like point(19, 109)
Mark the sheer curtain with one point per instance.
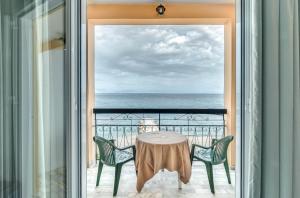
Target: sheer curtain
point(40, 99)
point(272, 66)
point(48, 101)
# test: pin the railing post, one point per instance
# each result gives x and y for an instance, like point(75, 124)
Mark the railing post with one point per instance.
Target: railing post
point(131, 131)
point(223, 125)
point(188, 127)
point(95, 123)
point(159, 121)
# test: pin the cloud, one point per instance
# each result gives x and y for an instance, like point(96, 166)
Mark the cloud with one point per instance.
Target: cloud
point(159, 58)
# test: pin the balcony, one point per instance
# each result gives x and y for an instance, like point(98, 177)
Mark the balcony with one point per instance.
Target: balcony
point(200, 126)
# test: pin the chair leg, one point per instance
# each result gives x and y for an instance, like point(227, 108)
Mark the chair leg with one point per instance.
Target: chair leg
point(117, 178)
point(192, 155)
point(227, 171)
point(134, 160)
point(100, 166)
point(179, 182)
point(210, 175)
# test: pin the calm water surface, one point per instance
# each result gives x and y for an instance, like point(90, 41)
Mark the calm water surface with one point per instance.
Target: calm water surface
point(151, 100)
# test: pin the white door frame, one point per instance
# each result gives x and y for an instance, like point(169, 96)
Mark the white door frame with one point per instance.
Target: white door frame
point(241, 167)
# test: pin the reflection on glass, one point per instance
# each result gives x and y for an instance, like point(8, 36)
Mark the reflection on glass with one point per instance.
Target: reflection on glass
point(32, 138)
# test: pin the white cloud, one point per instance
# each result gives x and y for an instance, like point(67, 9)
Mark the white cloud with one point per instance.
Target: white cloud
point(178, 40)
point(159, 58)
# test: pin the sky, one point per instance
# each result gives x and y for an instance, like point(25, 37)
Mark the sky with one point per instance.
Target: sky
point(159, 59)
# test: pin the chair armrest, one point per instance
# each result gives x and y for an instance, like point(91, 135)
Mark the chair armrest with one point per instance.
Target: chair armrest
point(200, 146)
point(127, 147)
point(112, 141)
point(214, 141)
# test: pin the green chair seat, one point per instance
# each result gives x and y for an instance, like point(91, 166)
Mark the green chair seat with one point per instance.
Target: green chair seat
point(213, 155)
point(203, 154)
point(111, 155)
point(123, 156)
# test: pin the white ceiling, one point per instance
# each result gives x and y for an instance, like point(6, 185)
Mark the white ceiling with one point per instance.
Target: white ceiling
point(158, 1)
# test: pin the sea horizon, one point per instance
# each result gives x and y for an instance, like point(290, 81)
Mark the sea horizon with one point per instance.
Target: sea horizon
point(159, 100)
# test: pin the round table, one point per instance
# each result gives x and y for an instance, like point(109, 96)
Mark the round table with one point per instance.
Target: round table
point(161, 150)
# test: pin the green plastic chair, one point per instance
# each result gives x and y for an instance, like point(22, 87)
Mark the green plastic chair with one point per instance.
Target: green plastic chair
point(111, 155)
point(213, 155)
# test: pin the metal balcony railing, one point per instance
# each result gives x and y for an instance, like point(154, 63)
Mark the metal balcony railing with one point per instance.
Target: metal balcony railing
point(200, 126)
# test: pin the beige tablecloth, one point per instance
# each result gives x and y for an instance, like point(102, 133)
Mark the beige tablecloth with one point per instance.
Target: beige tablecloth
point(161, 150)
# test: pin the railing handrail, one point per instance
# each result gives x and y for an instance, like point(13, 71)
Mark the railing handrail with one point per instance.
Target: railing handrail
point(159, 110)
point(163, 125)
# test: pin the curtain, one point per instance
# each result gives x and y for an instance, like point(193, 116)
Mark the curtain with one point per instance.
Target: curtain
point(32, 99)
point(9, 178)
point(272, 62)
point(48, 99)
point(40, 96)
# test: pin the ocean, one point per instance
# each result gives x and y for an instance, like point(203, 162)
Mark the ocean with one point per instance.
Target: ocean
point(158, 100)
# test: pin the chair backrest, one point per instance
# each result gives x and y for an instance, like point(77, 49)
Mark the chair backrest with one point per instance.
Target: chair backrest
point(219, 152)
point(107, 151)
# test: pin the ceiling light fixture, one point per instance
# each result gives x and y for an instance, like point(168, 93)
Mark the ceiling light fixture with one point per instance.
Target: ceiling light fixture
point(160, 9)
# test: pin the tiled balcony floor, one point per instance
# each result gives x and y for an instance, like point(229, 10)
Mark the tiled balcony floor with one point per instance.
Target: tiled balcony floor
point(162, 185)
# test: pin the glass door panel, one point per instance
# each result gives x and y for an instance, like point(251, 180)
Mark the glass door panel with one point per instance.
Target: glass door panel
point(33, 103)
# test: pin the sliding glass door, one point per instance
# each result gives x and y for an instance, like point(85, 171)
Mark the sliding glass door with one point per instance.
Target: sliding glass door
point(34, 99)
